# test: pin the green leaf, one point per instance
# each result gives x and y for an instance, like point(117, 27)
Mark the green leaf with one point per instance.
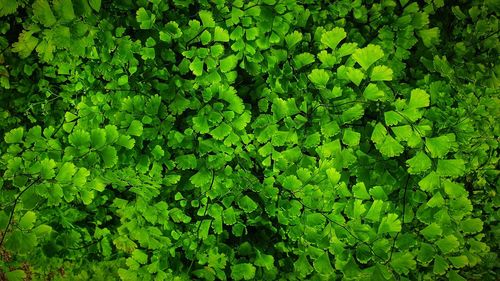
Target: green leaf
point(438, 146)
point(459, 261)
point(222, 131)
point(187, 161)
point(303, 59)
point(351, 138)
point(228, 63)
point(373, 93)
point(206, 18)
point(302, 266)
point(135, 128)
point(242, 271)
point(418, 99)
point(403, 262)
point(319, 78)
point(14, 135)
point(7, 7)
point(230, 96)
point(473, 225)
point(145, 18)
point(47, 169)
point(293, 39)
point(389, 224)
point(332, 38)
point(355, 75)
point(64, 9)
point(440, 265)
point(229, 216)
point(451, 167)
point(123, 80)
point(332, 174)
point(381, 73)
point(66, 172)
point(390, 147)
point(98, 138)
point(323, 265)
point(375, 210)
point(220, 34)
point(247, 204)
point(15, 275)
point(95, 4)
point(263, 260)
point(448, 244)
point(43, 13)
point(429, 36)
point(27, 221)
point(432, 231)
point(140, 256)
point(419, 163)
point(25, 44)
point(430, 182)
point(360, 192)
point(205, 37)
point(109, 156)
point(368, 55)
point(196, 66)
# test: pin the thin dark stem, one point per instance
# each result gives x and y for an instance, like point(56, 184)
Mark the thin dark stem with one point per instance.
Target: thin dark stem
point(4, 234)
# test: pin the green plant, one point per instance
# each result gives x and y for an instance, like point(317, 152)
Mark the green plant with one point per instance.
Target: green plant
point(249, 140)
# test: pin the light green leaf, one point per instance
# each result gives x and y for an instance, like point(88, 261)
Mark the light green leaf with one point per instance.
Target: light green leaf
point(242, 271)
point(319, 77)
point(448, 244)
point(98, 137)
point(220, 34)
point(14, 135)
point(381, 73)
point(440, 265)
point(323, 265)
point(389, 224)
point(27, 221)
point(66, 172)
point(145, 18)
point(303, 59)
point(419, 163)
point(302, 266)
point(293, 39)
point(332, 38)
point(43, 13)
point(418, 99)
point(135, 128)
point(373, 93)
point(15, 275)
point(403, 262)
point(196, 66)
point(109, 156)
point(222, 131)
point(206, 18)
point(438, 146)
point(368, 55)
point(25, 44)
point(451, 167)
point(228, 63)
point(351, 138)
point(247, 204)
point(263, 260)
point(205, 37)
point(95, 4)
point(187, 161)
point(355, 75)
point(473, 225)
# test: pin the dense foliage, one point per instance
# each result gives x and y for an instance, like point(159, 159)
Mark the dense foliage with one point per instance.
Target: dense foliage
point(249, 140)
